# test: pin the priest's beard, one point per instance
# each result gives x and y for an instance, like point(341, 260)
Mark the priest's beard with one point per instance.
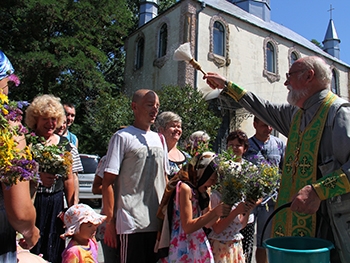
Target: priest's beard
point(295, 95)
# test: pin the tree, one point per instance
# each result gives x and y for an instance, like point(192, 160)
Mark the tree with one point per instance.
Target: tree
point(105, 116)
point(314, 41)
point(165, 4)
point(192, 108)
point(72, 49)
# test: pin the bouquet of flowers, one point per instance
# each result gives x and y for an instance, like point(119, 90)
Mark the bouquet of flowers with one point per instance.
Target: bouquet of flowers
point(239, 181)
point(53, 159)
point(15, 165)
point(263, 182)
point(232, 177)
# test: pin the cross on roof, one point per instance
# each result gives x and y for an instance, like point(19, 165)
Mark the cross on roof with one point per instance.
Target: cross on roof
point(330, 10)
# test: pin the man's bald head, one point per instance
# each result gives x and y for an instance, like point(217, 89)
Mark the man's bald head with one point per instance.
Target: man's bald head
point(140, 94)
point(145, 105)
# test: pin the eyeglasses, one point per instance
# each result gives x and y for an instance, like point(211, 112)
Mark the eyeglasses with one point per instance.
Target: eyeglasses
point(288, 74)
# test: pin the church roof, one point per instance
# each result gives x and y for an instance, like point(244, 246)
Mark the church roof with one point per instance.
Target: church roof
point(274, 27)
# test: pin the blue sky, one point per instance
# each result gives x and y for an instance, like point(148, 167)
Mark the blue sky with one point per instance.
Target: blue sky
point(310, 19)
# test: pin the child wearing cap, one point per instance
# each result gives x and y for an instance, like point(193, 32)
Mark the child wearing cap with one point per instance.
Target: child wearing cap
point(81, 222)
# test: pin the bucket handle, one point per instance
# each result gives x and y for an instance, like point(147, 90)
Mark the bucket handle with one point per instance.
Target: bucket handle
point(271, 216)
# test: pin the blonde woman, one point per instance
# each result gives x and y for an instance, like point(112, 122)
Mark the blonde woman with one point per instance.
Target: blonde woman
point(43, 116)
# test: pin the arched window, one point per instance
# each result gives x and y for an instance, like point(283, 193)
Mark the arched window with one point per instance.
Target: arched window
point(334, 84)
point(271, 71)
point(140, 53)
point(219, 39)
point(163, 40)
point(270, 58)
point(293, 57)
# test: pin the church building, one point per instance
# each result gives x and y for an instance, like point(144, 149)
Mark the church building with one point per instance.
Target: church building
point(235, 38)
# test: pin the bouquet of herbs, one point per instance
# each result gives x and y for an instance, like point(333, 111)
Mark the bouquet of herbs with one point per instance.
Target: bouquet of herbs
point(15, 164)
point(232, 177)
point(239, 181)
point(53, 159)
point(262, 183)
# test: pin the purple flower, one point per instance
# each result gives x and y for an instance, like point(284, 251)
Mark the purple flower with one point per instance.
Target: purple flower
point(21, 104)
point(13, 78)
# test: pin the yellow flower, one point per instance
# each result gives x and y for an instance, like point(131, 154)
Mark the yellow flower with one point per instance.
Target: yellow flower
point(28, 153)
point(11, 157)
point(47, 155)
point(4, 98)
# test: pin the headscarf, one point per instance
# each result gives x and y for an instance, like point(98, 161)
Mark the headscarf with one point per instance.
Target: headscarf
point(194, 173)
point(5, 66)
point(205, 167)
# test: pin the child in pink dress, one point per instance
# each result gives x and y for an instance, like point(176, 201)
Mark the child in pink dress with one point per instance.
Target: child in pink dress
point(191, 212)
point(81, 222)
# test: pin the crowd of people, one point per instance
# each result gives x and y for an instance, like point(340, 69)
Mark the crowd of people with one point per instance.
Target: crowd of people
point(162, 203)
point(31, 229)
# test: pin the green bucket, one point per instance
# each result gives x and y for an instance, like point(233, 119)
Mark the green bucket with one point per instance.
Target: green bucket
point(298, 250)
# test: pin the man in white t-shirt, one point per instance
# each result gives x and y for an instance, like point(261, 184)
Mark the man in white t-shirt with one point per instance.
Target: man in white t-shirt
point(137, 158)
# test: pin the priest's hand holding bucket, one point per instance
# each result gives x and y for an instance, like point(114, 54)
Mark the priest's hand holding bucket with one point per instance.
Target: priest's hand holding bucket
point(306, 201)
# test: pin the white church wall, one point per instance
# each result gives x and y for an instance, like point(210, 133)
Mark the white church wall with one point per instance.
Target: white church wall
point(155, 71)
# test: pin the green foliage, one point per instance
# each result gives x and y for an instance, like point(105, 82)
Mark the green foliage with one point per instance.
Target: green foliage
point(165, 4)
point(314, 41)
point(104, 117)
point(192, 108)
point(107, 113)
point(69, 48)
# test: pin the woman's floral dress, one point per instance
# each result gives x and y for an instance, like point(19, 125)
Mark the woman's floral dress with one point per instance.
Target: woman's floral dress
point(191, 248)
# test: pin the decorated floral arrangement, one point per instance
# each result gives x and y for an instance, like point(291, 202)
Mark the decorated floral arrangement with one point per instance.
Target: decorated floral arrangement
point(15, 165)
point(245, 181)
point(263, 182)
point(53, 159)
point(233, 177)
